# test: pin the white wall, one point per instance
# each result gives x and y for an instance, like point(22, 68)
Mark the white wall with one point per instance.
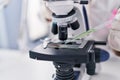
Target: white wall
point(12, 17)
point(3, 33)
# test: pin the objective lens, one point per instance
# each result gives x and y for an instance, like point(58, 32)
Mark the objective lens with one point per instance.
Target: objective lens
point(75, 25)
point(54, 28)
point(63, 33)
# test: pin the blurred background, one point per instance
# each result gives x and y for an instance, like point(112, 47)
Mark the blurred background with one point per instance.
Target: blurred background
point(10, 13)
point(22, 23)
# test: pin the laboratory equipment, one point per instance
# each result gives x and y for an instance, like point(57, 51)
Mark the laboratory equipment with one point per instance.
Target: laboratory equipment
point(65, 51)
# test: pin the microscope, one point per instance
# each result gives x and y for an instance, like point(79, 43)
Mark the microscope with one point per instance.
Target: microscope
point(65, 51)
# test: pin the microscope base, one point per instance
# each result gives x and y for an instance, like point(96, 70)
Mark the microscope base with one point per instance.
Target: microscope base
point(66, 58)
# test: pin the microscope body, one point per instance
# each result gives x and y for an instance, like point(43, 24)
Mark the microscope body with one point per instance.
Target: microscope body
point(67, 22)
point(67, 18)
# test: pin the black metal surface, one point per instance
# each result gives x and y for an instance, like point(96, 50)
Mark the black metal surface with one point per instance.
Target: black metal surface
point(86, 18)
point(64, 71)
point(65, 59)
point(54, 28)
point(72, 12)
point(63, 33)
point(100, 42)
point(75, 25)
point(62, 55)
point(84, 2)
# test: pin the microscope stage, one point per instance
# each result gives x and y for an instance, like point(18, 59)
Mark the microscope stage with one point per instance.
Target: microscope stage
point(78, 55)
